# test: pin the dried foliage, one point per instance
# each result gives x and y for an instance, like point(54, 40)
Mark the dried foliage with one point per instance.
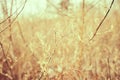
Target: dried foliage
point(59, 48)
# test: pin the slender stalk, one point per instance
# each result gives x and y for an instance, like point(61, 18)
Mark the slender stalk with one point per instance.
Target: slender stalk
point(21, 33)
point(82, 27)
point(9, 20)
point(102, 20)
point(83, 11)
point(109, 71)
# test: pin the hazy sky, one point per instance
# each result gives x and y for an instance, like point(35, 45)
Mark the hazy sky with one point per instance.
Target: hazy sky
point(39, 6)
point(33, 6)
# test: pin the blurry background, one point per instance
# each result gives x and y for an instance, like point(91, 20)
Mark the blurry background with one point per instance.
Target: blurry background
point(49, 40)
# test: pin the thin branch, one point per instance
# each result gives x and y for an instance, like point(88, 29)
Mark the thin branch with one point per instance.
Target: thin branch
point(12, 14)
point(14, 18)
point(20, 31)
point(9, 20)
point(4, 8)
point(8, 49)
point(102, 20)
point(83, 10)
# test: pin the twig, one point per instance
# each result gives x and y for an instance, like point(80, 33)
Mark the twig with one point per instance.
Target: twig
point(8, 49)
point(14, 18)
point(4, 8)
point(50, 57)
point(10, 37)
point(10, 15)
point(20, 30)
point(83, 10)
point(109, 69)
point(102, 21)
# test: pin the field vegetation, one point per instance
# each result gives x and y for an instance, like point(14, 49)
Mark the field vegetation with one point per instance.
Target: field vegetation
point(65, 46)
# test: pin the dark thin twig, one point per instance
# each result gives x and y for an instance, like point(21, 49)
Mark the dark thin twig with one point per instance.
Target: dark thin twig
point(102, 20)
point(14, 18)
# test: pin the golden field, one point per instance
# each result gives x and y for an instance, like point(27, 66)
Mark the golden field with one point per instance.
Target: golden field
point(59, 48)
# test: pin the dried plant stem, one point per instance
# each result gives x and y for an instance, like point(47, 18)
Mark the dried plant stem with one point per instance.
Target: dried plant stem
point(8, 65)
point(21, 33)
point(109, 71)
point(83, 6)
point(83, 26)
point(21, 9)
point(4, 8)
point(96, 70)
point(10, 29)
point(102, 20)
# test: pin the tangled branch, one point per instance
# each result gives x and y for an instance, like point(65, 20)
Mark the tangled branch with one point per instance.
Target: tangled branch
point(14, 18)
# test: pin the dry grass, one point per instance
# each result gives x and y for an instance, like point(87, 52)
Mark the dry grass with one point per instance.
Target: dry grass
point(59, 48)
